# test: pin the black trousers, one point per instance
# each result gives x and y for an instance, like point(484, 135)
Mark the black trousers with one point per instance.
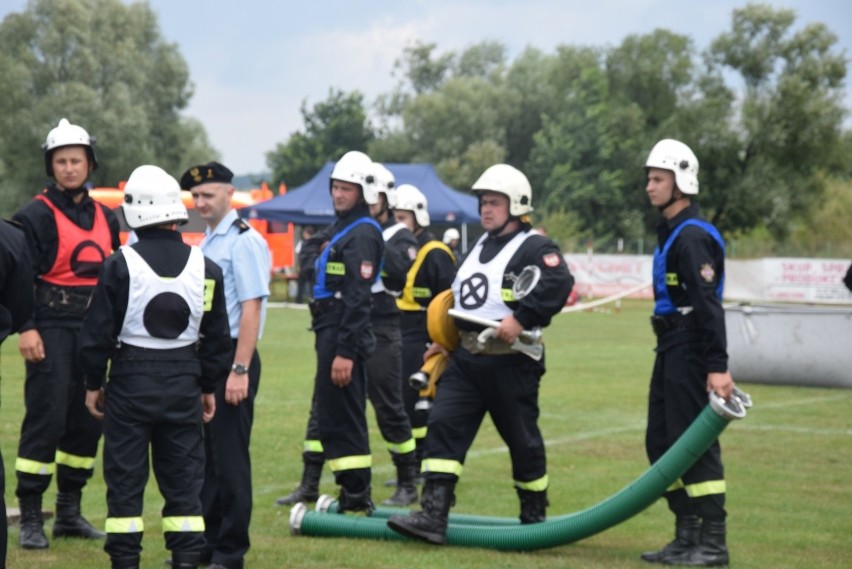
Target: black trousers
point(227, 493)
point(158, 408)
point(504, 386)
point(56, 419)
point(384, 383)
point(677, 395)
point(415, 340)
point(341, 414)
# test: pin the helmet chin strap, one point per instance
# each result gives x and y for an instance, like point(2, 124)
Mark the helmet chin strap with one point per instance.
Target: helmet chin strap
point(672, 200)
point(499, 230)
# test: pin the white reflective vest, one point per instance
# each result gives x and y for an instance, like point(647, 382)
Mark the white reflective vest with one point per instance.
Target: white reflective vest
point(156, 300)
point(477, 288)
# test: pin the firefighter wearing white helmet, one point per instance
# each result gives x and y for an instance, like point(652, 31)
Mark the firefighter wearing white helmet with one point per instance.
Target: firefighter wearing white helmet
point(69, 236)
point(431, 273)
point(348, 257)
point(67, 134)
point(385, 387)
point(411, 199)
point(356, 168)
point(492, 376)
point(152, 197)
point(691, 356)
point(163, 366)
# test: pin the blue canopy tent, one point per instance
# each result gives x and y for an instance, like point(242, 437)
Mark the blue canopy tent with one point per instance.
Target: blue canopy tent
point(310, 203)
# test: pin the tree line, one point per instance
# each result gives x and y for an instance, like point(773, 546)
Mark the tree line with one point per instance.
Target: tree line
point(762, 106)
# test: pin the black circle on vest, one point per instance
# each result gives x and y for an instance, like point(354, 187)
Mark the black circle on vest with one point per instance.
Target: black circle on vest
point(166, 316)
point(473, 291)
point(90, 264)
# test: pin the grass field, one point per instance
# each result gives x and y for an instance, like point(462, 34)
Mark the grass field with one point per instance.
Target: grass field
point(789, 463)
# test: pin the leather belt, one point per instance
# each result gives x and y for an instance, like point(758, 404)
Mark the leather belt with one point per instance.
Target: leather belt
point(676, 322)
point(493, 346)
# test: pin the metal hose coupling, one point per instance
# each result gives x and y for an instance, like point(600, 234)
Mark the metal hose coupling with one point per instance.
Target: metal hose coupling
point(734, 407)
point(297, 514)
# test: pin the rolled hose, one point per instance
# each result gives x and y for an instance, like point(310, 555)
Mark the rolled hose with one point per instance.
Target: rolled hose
point(561, 530)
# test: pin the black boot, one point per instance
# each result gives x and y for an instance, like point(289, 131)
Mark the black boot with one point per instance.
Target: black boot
point(308, 489)
point(687, 531)
point(355, 502)
point(406, 489)
point(430, 524)
point(69, 522)
point(32, 523)
point(711, 550)
point(185, 559)
point(129, 562)
point(533, 506)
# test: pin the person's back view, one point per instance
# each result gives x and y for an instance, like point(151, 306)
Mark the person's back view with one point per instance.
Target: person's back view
point(162, 303)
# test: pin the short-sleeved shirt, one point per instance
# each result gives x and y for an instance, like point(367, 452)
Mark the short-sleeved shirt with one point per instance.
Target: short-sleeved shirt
point(244, 257)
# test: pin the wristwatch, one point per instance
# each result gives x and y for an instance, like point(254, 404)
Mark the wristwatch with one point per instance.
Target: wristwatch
point(239, 369)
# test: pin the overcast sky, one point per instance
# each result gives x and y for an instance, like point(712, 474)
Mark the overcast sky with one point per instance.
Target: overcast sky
point(253, 62)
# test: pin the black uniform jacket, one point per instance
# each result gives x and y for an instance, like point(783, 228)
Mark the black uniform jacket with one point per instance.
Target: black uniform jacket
point(400, 251)
point(699, 263)
point(360, 251)
point(36, 219)
point(167, 255)
point(549, 295)
point(437, 271)
point(16, 279)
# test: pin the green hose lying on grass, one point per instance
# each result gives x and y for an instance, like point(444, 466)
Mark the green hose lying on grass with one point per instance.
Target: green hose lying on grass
point(507, 534)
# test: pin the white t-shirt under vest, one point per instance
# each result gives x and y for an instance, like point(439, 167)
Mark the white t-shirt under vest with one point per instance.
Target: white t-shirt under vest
point(163, 313)
point(477, 288)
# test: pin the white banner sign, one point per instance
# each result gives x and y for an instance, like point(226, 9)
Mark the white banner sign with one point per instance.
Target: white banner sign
point(770, 279)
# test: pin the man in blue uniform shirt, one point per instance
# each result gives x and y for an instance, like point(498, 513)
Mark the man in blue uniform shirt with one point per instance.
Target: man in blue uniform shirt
point(244, 257)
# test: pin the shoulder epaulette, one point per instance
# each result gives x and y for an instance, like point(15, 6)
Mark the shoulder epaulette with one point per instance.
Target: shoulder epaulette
point(242, 225)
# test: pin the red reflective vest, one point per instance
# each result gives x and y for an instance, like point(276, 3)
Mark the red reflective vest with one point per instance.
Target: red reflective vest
point(79, 252)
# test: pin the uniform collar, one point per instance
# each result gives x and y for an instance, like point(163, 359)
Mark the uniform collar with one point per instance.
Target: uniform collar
point(159, 233)
point(62, 199)
point(360, 210)
point(691, 211)
point(224, 224)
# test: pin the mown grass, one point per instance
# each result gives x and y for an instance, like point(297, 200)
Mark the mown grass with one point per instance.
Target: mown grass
point(788, 463)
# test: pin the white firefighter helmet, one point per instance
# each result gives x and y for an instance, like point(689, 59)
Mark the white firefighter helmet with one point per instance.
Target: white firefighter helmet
point(356, 168)
point(152, 197)
point(67, 134)
point(450, 234)
point(677, 157)
point(410, 198)
point(384, 181)
point(509, 181)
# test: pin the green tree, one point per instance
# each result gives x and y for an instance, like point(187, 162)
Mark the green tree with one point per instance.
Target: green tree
point(791, 117)
point(332, 127)
point(104, 65)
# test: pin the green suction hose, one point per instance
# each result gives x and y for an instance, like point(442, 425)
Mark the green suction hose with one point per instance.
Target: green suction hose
point(560, 530)
point(330, 506)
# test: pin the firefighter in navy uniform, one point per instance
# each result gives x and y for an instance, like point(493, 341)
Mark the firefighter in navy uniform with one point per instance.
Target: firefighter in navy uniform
point(16, 307)
point(69, 236)
point(348, 264)
point(158, 315)
point(432, 272)
point(384, 368)
point(493, 377)
point(692, 359)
